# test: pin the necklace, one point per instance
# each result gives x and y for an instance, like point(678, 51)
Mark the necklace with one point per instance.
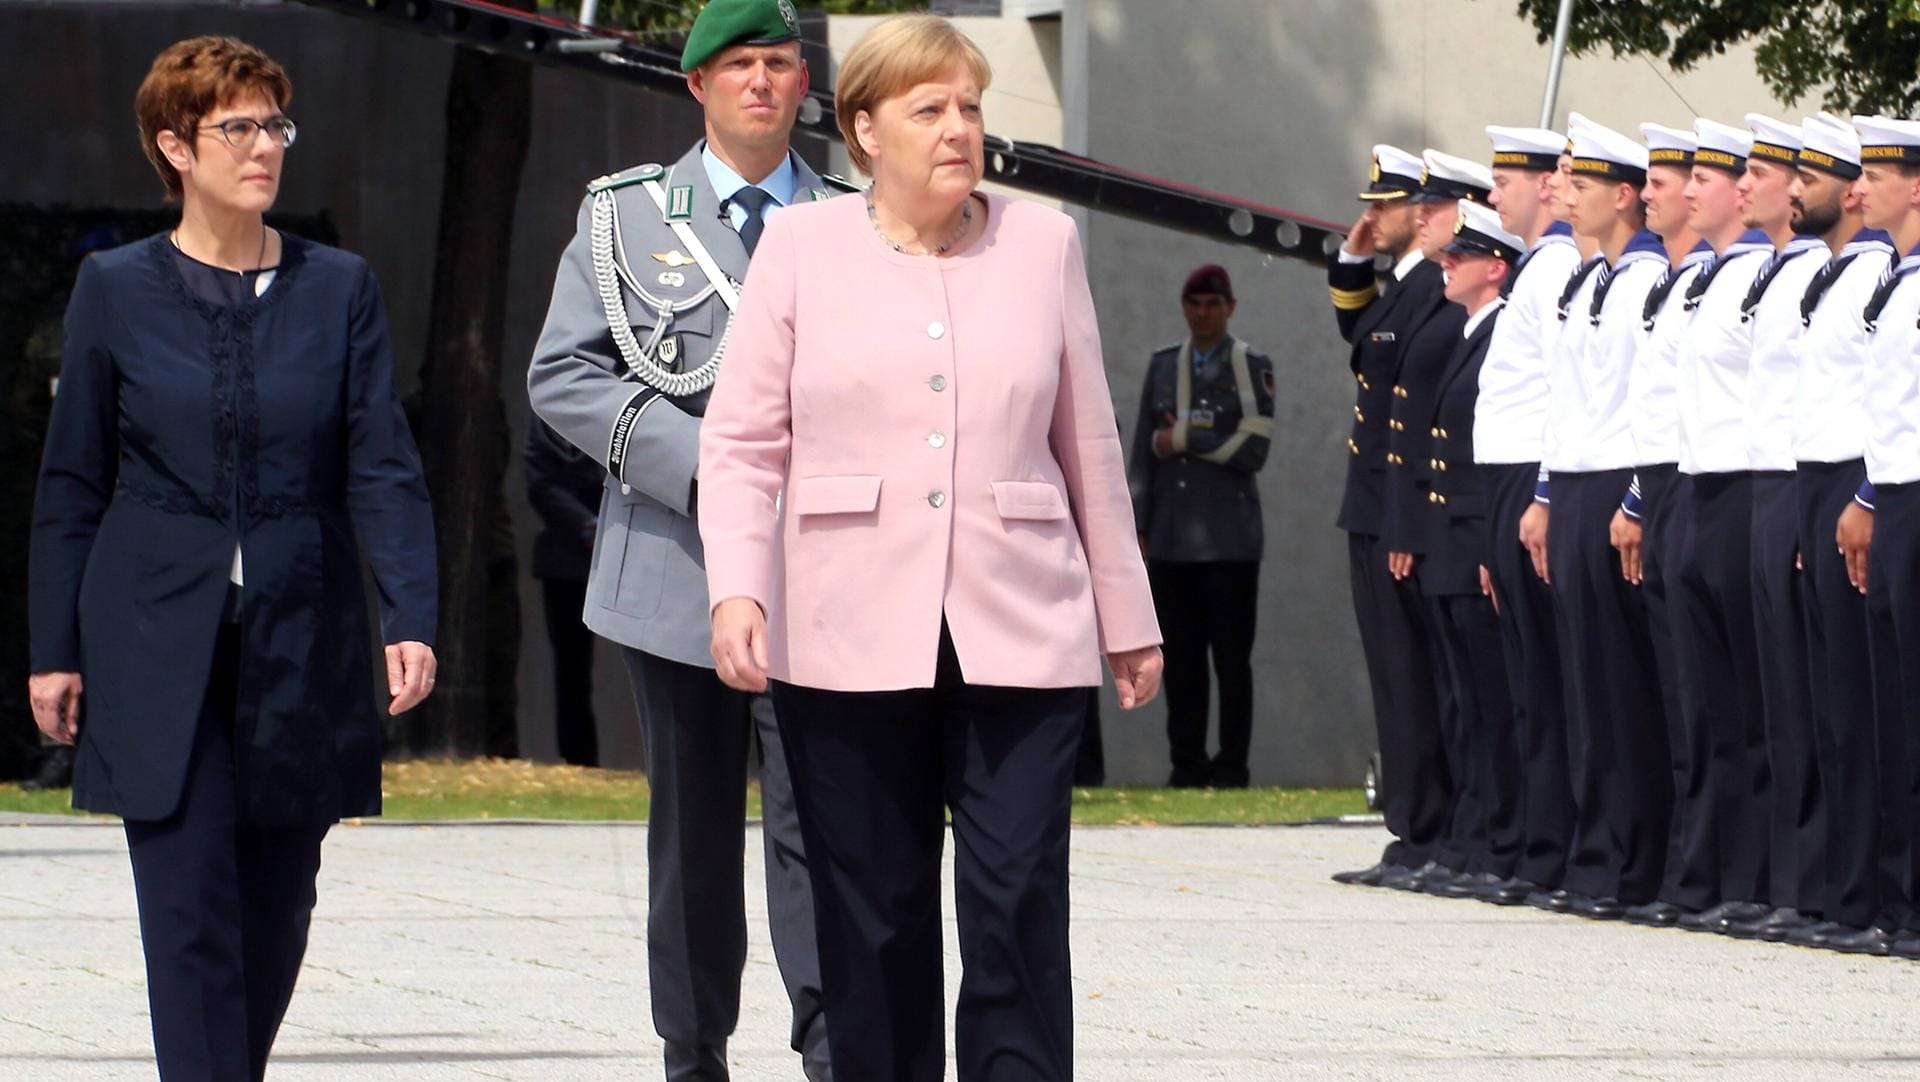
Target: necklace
point(258, 259)
point(966, 220)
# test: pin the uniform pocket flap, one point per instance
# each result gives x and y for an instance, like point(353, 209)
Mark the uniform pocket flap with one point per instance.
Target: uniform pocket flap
point(1035, 500)
point(834, 495)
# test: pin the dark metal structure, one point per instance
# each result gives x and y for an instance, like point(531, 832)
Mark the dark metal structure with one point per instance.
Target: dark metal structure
point(1031, 167)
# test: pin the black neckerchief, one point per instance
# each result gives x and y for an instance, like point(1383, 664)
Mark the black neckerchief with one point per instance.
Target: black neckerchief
point(1697, 288)
point(1573, 286)
point(1822, 282)
point(1759, 287)
point(1884, 292)
point(1661, 291)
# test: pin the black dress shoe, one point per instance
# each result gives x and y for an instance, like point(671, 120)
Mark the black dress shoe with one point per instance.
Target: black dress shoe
point(1508, 891)
point(1553, 901)
point(1186, 778)
point(1876, 941)
point(1781, 920)
point(1598, 908)
point(1365, 877)
point(1437, 878)
point(1565, 901)
point(1430, 872)
point(1655, 914)
point(1717, 918)
point(1817, 935)
point(1400, 877)
point(1468, 885)
point(1905, 945)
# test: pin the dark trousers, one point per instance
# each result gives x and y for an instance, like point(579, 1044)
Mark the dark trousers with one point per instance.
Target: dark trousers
point(1662, 490)
point(1893, 605)
point(1207, 609)
point(874, 773)
point(1840, 691)
point(1622, 778)
point(1090, 764)
point(575, 730)
point(1798, 827)
point(1714, 639)
point(1485, 832)
point(1396, 640)
point(1532, 646)
point(699, 737)
point(224, 908)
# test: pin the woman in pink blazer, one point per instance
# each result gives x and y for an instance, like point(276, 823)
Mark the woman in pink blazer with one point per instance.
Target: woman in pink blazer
point(919, 372)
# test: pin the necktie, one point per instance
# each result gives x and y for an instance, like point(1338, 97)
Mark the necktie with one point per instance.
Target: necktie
point(753, 201)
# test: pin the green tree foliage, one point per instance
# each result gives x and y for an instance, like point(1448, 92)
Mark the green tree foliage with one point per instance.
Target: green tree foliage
point(1858, 56)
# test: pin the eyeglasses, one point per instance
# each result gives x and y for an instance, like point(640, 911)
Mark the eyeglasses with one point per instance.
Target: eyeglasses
point(241, 131)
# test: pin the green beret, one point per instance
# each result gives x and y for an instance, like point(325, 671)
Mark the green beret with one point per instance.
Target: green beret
point(738, 22)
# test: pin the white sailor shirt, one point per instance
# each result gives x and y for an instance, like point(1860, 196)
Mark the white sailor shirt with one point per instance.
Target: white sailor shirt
point(1829, 418)
point(1773, 308)
point(1892, 385)
point(1653, 387)
point(1591, 422)
point(1510, 415)
point(1716, 354)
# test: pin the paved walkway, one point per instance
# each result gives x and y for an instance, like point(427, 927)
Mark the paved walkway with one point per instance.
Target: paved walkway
point(517, 952)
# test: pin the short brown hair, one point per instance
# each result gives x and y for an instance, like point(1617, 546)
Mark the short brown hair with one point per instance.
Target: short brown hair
point(192, 78)
point(903, 51)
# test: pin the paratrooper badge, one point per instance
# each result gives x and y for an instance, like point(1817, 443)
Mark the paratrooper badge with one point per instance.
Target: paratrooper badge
point(675, 258)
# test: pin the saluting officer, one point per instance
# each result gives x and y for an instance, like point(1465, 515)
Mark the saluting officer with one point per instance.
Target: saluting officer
point(1622, 780)
point(1829, 416)
point(1206, 422)
point(1406, 705)
point(1713, 625)
point(1885, 519)
point(1477, 262)
point(1797, 830)
point(1409, 512)
point(1509, 431)
point(1644, 530)
point(636, 332)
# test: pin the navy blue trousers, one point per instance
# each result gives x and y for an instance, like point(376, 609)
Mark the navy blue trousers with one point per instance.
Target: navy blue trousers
point(1893, 606)
point(224, 908)
point(1713, 631)
point(1798, 813)
point(1622, 776)
point(1840, 681)
point(874, 773)
point(1662, 489)
point(1531, 643)
point(1398, 640)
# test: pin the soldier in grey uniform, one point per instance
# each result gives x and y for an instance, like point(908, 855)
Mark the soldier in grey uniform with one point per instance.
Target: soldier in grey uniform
point(1206, 421)
point(642, 304)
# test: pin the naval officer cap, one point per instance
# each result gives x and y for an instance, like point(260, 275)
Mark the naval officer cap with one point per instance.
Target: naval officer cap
point(1396, 173)
point(1774, 140)
point(1538, 149)
point(1478, 232)
point(725, 23)
point(1885, 140)
point(1722, 146)
point(1669, 146)
point(1830, 145)
point(1448, 178)
point(1599, 151)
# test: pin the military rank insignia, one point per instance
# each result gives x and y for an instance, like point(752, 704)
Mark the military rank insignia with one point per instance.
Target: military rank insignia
point(680, 202)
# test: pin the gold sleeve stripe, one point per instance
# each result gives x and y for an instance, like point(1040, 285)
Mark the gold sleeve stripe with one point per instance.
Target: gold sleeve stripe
point(1348, 299)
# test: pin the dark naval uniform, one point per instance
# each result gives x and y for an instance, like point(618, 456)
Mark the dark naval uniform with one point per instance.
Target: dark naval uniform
point(1198, 513)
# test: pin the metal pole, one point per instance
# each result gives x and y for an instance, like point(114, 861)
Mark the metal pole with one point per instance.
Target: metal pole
point(590, 8)
point(1562, 26)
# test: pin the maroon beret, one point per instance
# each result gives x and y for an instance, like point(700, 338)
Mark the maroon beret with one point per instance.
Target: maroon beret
point(1211, 278)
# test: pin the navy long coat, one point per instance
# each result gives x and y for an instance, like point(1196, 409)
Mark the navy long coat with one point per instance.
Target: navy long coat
point(181, 428)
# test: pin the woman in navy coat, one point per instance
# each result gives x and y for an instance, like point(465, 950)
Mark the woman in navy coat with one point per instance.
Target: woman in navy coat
point(225, 428)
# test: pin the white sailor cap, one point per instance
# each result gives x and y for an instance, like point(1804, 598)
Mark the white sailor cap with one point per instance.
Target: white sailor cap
point(1884, 139)
point(1774, 140)
point(1722, 146)
point(1396, 173)
point(1599, 151)
point(1830, 145)
point(1448, 178)
point(1538, 149)
point(1669, 146)
point(1478, 232)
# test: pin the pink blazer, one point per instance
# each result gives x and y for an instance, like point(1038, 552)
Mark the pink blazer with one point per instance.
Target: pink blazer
point(944, 437)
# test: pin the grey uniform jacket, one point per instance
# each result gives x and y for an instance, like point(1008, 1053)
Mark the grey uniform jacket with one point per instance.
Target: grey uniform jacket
point(648, 586)
point(1188, 508)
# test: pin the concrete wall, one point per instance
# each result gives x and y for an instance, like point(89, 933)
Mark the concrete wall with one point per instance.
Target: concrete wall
point(1279, 101)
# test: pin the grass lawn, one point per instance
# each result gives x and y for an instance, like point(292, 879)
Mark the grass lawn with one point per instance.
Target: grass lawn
point(517, 789)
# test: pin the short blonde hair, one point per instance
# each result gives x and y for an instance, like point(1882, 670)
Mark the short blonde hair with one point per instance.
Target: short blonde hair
point(901, 52)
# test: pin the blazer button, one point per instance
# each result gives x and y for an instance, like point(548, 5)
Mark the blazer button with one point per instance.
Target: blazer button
point(936, 329)
point(936, 498)
point(936, 440)
point(938, 383)
point(1434, 432)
